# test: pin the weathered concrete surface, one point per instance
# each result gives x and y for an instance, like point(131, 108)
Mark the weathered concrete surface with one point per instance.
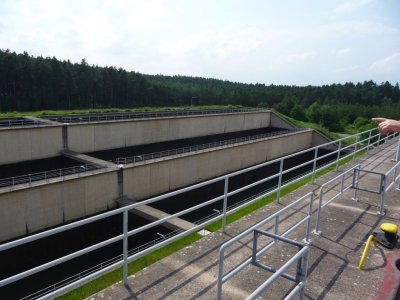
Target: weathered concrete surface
point(55, 201)
point(28, 143)
point(86, 159)
point(334, 258)
point(152, 214)
point(142, 180)
point(89, 137)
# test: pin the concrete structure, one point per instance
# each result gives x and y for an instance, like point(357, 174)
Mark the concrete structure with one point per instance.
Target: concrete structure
point(142, 180)
point(36, 142)
point(26, 208)
point(333, 261)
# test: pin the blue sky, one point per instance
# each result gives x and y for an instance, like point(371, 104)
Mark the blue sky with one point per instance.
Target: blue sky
point(252, 41)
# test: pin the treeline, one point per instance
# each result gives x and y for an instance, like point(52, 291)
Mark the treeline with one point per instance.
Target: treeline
point(30, 83)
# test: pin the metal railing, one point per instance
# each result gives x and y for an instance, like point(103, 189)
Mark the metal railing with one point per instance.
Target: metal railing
point(145, 115)
point(33, 179)
point(387, 180)
point(340, 179)
point(20, 122)
point(300, 259)
point(126, 257)
point(276, 217)
point(195, 148)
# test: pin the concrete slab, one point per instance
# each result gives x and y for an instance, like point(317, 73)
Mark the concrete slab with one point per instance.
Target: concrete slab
point(86, 159)
point(334, 256)
point(152, 214)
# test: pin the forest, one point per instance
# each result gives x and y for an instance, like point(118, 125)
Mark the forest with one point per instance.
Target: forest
point(30, 83)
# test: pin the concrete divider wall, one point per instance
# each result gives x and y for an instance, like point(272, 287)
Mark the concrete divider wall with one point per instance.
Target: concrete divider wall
point(115, 134)
point(159, 177)
point(21, 144)
point(40, 207)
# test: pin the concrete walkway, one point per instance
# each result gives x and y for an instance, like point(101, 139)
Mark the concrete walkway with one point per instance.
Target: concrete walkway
point(333, 262)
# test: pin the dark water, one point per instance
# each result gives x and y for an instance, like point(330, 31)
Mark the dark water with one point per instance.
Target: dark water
point(39, 252)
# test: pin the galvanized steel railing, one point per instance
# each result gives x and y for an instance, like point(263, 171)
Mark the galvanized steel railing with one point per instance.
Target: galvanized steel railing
point(195, 148)
point(126, 257)
point(276, 218)
point(37, 178)
point(321, 194)
point(19, 122)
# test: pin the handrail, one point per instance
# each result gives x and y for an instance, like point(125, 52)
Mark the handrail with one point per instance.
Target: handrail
point(194, 148)
point(47, 175)
point(222, 215)
point(320, 194)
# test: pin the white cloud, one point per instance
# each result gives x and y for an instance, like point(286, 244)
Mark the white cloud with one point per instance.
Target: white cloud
point(340, 52)
point(228, 40)
point(348, 69)
point(351, 6)
point(296, 57)
point(389, 64)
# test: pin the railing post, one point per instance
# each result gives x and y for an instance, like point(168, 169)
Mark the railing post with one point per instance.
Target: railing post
point(278, 192)
point(381, 211)
point(355, 184)
point(321, 194)
point(338, 155)
point(220, 274)
point(307, 238)
point(369, 140)
point(125, 247)
point(304, 273)
point(314, 165)
point(356, 147)
point(225, 204)
point(276, 227)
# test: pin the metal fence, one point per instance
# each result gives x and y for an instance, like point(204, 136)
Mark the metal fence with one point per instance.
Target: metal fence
point(324, 200)
point(276, 218)
point(20, 122)
point(358, 146)
point(35, 178)
point(195, 148)
point(144, 115)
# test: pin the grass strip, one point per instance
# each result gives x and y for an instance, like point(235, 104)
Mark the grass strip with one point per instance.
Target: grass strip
point(115, 276)
point(271, 198)
point(114, 110)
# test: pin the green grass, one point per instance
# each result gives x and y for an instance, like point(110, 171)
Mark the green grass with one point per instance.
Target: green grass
point(111, 110)
point(135, 266)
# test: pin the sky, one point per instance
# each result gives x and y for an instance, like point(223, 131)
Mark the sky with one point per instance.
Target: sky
point(303, 42)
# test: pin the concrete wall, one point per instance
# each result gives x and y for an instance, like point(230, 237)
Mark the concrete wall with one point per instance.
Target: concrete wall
point(29, 143)
point(277, 121)
point(40, 207)
point(20, 144)
point(115, 134)
point(319, 139)
point(159, 177)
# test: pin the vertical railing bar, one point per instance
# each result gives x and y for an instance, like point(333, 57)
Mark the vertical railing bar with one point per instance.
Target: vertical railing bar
point(338, 155)
point(225, 204)
point(125, 247)
point(278, 192)
point(314, 164)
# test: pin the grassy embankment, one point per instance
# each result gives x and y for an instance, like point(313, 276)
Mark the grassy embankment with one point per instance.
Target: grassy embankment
point(115, 276)
point(110, 110)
